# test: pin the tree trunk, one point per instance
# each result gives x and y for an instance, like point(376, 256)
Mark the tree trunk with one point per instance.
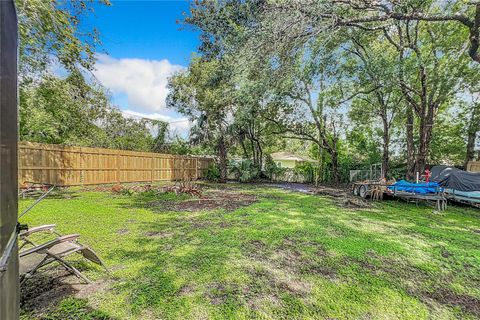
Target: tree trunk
point(319, 175)
point(470, 156)
point(335, 174)
point(425, 135)
point(254, 150)
point(473, 127)
point(260, 154)
point(410, 145)
point(244, 148)
point(386, 152)
point(222, 158)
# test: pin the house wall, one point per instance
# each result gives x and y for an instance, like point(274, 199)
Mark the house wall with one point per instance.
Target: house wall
point(286, 163)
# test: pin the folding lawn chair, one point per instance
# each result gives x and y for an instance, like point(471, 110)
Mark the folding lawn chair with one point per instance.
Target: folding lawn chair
point(57, 249)
point(23, 235)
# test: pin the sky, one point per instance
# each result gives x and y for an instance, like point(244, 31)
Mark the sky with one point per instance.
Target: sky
point(142, 45)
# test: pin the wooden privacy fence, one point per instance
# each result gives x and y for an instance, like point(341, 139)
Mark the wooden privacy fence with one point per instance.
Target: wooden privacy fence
point(69, 166)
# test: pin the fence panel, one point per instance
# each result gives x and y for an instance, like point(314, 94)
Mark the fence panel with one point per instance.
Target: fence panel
point(473, 166)
point(68, 166)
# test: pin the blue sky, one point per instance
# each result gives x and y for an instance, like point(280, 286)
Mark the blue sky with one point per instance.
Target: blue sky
point(142, 46)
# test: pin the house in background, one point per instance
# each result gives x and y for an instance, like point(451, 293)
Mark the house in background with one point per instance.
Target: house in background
point(289, 160)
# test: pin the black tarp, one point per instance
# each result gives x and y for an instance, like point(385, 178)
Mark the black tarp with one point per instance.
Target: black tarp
point(453, 178)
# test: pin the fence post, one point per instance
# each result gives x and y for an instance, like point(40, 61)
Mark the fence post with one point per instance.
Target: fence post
point(153, 166)
point(196, 168)
point(118, 166)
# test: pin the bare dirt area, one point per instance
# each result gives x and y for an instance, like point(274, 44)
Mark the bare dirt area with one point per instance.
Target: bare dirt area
point(210, 200)
point(340, 194)
point(46, 288)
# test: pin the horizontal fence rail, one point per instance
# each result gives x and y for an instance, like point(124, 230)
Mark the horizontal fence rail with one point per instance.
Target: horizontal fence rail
point(69, 166)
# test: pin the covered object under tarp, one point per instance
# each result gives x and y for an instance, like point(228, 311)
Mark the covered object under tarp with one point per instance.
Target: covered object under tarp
point(453, 178)
point(459, 185)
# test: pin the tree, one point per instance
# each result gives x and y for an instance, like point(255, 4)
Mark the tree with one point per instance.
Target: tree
point(375, 68)
point(71, 111)
point(429, 73)
point(307, 92)
point(309, 18)
point(204, 94)
point(53, 32)
point(395, 66)
point(61, 111)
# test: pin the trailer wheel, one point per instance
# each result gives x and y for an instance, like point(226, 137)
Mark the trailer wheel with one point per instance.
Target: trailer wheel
point(355, 189)
point(362, 191)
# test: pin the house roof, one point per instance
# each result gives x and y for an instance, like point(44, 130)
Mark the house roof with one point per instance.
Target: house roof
point(289, 156)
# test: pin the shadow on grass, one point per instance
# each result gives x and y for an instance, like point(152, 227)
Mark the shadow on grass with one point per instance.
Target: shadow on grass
point(53, 292)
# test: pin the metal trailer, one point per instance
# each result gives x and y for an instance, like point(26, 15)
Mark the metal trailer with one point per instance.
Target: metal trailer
point(438, 197)
point(9, 280)
point(377, 189)
point(369, 188)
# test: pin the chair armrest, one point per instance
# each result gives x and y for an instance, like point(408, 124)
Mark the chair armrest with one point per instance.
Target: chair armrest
point(49, 244)
point(46, 227)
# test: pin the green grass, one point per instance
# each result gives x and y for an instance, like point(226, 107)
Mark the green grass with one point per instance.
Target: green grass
point(286, 256)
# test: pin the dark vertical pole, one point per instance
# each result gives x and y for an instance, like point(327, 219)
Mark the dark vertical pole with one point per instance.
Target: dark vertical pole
point(9, 286)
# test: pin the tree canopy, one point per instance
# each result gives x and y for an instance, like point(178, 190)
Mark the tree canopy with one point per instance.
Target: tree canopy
point(361, 81)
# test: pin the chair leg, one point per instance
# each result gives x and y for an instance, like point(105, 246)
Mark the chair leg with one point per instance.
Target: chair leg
point(73, 270)
point(27, 275)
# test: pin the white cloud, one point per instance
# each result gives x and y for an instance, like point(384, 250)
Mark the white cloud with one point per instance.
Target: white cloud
point(177, 125)
point(143, 82)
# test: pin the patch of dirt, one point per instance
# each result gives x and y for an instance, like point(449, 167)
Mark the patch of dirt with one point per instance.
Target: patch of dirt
point(354, 203)
point(159, 234)
point(340, 194)
point(186, 290)
point(225, 224)
point(86, 290)
point(255, 249)
point(271, 281)
point(395, 268)
point(45, 289)
point(287, 257)
point(445, 253)
point(446, 296)
point(214, 199)
point(343, 197)
point(336, 192)
point(218, 293)
point(122, 231)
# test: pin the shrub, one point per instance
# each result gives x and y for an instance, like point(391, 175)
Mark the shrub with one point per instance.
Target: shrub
point(271, 168)
point(212, 173)
point(307, 170)
point(244, 171)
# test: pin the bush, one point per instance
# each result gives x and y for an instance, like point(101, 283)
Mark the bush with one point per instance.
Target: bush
point(307, 170)
point(271, 168)
point(212, 173)
point(244, 171)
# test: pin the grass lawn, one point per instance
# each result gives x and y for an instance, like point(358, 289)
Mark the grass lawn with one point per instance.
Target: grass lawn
point(259, 252)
